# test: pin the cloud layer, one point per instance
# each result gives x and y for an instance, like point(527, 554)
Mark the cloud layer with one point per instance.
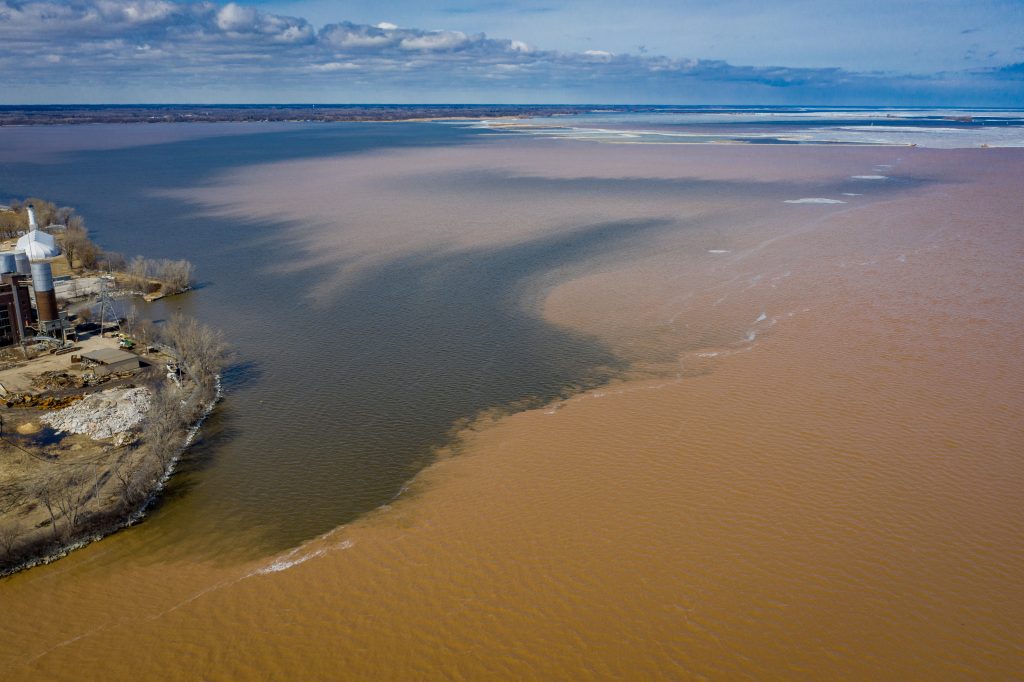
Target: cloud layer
point(157, 50)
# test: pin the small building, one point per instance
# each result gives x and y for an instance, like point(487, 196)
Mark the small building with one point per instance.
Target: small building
point(112, 360)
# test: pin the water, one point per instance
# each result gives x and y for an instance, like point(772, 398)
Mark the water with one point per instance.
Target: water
point(820, 482)
point(331, 407)
point(943, 129)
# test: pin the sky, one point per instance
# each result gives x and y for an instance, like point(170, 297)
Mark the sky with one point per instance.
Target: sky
point(824, 52)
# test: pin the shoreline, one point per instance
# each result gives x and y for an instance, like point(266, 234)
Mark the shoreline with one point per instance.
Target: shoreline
point(35, 115)
point(105, 522)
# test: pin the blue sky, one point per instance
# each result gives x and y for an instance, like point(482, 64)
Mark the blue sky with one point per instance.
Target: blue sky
point(645, 51)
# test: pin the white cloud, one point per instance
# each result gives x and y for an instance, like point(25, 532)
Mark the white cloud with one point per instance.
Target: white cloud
point(105, 44)
point(330, 67)
point(234, 17)
point(436, 40)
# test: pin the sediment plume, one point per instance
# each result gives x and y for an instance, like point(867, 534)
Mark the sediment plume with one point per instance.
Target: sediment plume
point(811, 471)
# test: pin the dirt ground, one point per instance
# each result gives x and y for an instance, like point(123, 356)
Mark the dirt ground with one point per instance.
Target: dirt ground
point(19, 379)
point(50, 481)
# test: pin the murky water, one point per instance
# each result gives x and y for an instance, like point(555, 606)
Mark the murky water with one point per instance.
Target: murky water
point(336, 405)
point(818, 482)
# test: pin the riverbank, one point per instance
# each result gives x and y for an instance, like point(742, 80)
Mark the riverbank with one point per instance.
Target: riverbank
point(73, 475)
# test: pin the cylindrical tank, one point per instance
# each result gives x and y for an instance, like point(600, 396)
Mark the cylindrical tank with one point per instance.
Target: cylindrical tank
point(46, 299)
point(22, 262)
point(7, 263)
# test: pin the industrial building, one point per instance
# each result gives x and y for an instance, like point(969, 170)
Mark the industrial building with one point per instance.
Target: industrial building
point(28, 305)
point(16, 316)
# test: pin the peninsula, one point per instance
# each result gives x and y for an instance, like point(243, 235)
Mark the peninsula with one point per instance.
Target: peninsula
point(95, 405)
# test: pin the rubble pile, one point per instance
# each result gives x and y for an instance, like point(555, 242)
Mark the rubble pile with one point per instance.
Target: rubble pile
point(59, 380)
point(40, 402)
point(104, 414)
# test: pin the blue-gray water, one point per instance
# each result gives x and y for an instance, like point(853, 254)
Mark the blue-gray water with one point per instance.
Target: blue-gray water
point(330, 409)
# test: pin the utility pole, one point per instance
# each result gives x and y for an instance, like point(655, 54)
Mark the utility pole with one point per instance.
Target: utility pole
point(103, 303)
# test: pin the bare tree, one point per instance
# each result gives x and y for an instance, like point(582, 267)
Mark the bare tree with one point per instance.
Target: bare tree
point(10, 224)
point(145, 331)
point(175, 275)
point(89, 255)
point(112, 260)
point(161, 431)
point(202, 351)
point(75, 239)
point(71, 495)
point(132, 476)
point(45, 491)
point(64, 215)
point(139, 271)
point(10, 533)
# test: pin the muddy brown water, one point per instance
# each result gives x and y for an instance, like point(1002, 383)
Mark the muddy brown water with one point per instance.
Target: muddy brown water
point(765, 440)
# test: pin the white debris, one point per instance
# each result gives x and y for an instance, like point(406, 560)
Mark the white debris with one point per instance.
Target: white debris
point(102, 415)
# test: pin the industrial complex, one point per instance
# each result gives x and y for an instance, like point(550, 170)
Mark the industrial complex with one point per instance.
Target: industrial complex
point(28, 300)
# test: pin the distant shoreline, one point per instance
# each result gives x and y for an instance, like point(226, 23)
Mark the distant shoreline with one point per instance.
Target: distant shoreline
point(80, 114)
point(62, 114)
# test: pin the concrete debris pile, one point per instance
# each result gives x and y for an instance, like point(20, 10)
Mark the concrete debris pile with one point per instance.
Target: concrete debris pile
point(104, 414)
point(57, 380)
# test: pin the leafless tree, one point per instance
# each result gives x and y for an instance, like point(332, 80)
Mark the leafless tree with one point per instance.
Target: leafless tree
point(174, 275)
point(45, 492)
point(132, 476)
point(89, 255)
point(161, 431)
point(74, 490)
point(112, 260)
point(75, 239)
point(64, 215)
point(138, 272)
point(10, 533)
point(202, 351)
point(145, 331)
